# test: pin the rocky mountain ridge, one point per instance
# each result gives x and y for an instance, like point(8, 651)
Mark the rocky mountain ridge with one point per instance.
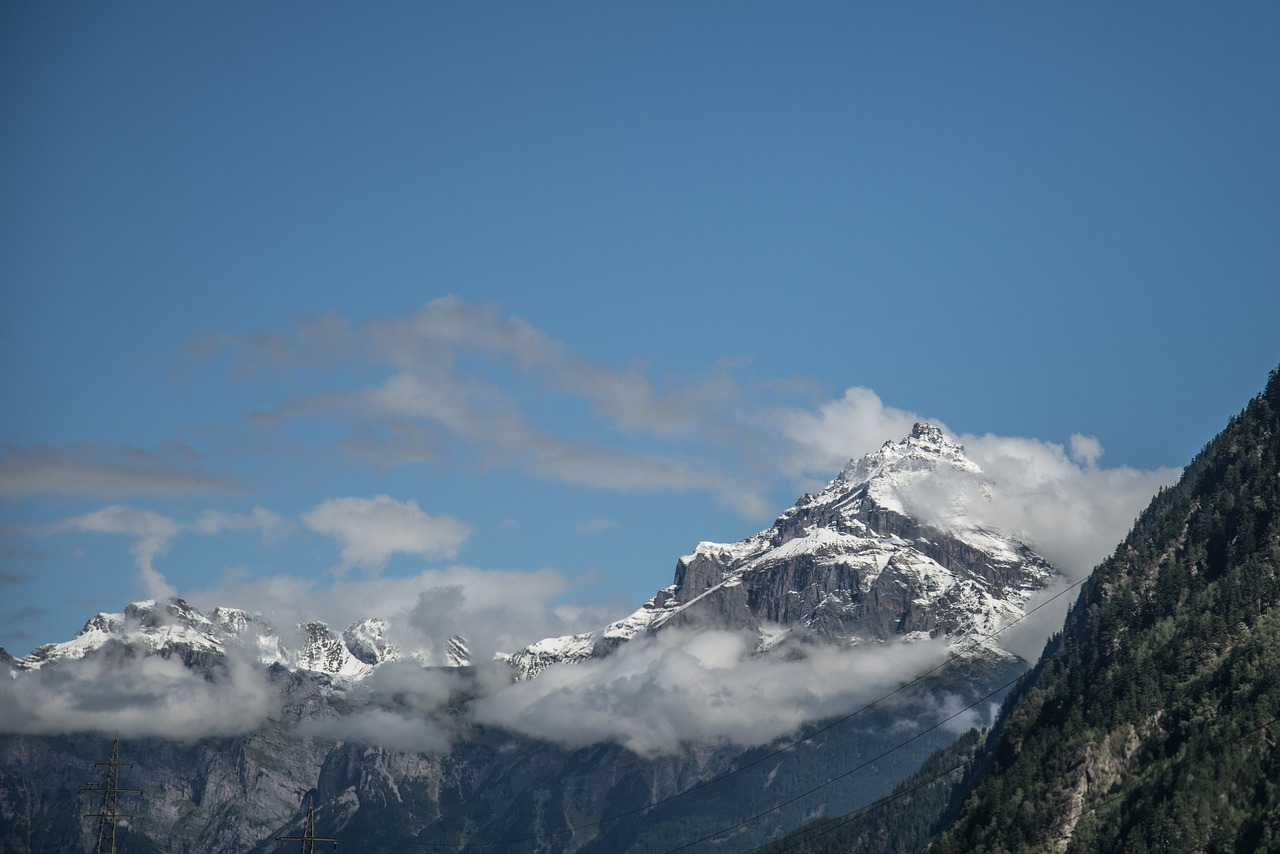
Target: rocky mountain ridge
point(178, 628)
point(347, 716)
point(848, 565)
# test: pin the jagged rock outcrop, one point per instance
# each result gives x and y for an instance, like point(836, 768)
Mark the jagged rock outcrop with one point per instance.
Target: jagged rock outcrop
point(864, 560)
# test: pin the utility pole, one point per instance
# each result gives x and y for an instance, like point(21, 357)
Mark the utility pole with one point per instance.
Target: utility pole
point(108, 813)
point(308, 837)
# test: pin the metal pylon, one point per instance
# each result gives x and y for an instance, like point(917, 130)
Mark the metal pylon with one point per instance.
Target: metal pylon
point(308, 837)
point(108, 813)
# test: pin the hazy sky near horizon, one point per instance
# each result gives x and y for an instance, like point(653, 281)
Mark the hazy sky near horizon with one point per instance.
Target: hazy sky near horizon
point(304, 298)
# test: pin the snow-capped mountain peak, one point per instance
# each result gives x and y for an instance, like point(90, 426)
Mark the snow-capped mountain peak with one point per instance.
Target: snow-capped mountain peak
point(888, 549)
point(926, 451)
point(178, 627)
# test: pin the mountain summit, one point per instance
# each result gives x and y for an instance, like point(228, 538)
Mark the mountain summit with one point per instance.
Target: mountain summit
point(886, 551)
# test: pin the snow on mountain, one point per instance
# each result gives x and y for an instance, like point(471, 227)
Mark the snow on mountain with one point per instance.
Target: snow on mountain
point(177, 627)
point(853, 563)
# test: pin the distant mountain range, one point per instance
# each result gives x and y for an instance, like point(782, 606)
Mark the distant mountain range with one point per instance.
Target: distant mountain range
point(887, 554)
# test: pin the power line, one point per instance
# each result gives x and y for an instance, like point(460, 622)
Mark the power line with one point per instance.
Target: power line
point(1253, 609)
point(108, 814)
point(958, 655)
point(845, 774)
point(308, 837)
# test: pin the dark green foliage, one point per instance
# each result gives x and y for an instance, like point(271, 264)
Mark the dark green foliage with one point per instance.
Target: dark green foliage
point(1153, 727)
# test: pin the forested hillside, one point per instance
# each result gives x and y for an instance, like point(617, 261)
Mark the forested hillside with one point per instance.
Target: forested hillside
point(1151, 723)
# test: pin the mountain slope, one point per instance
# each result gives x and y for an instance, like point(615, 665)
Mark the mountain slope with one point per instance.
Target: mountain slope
point(852, 564)
point(842, 573)
point(1151, 723)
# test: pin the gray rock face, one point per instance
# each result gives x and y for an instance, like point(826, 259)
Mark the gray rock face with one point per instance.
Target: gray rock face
point(881, 575)
point(867, 559)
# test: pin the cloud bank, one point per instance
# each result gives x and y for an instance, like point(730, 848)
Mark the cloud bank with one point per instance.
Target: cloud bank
point(658, 694)
point(147, 696)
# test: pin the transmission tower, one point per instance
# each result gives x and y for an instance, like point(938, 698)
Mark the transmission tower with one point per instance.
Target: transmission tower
point(308, 837)
point(108, 813)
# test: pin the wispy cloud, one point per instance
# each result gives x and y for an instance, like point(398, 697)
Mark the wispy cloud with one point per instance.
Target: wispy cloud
point(23, 615)
point(468, 382)
point(92, 469)
point(153, 532)
point(311, 342)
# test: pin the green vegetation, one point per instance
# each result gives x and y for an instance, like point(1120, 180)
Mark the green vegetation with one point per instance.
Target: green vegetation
point(1151, 723)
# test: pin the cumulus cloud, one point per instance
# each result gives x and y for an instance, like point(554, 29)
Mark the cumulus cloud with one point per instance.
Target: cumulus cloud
point(838, 430)
point(1069, 509)
point(1085, 450)
point(1065, 505)
point(473, 383)
point(152, 532)
point(371, 530)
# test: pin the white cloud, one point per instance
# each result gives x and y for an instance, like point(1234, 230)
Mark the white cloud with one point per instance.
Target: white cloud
point(260, 519)
point(148, 696)
point(656, 694)
point(408, 732)
point(1065, 506)
point(1085, 450)
point(311, 342)
point(842, 429)
point(373, 529)
point(495, 610)
point(1072, 512)
point(153, 533)
point(120, 519)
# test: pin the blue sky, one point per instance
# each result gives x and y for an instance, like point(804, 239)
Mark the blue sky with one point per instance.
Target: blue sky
point(321, 296)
